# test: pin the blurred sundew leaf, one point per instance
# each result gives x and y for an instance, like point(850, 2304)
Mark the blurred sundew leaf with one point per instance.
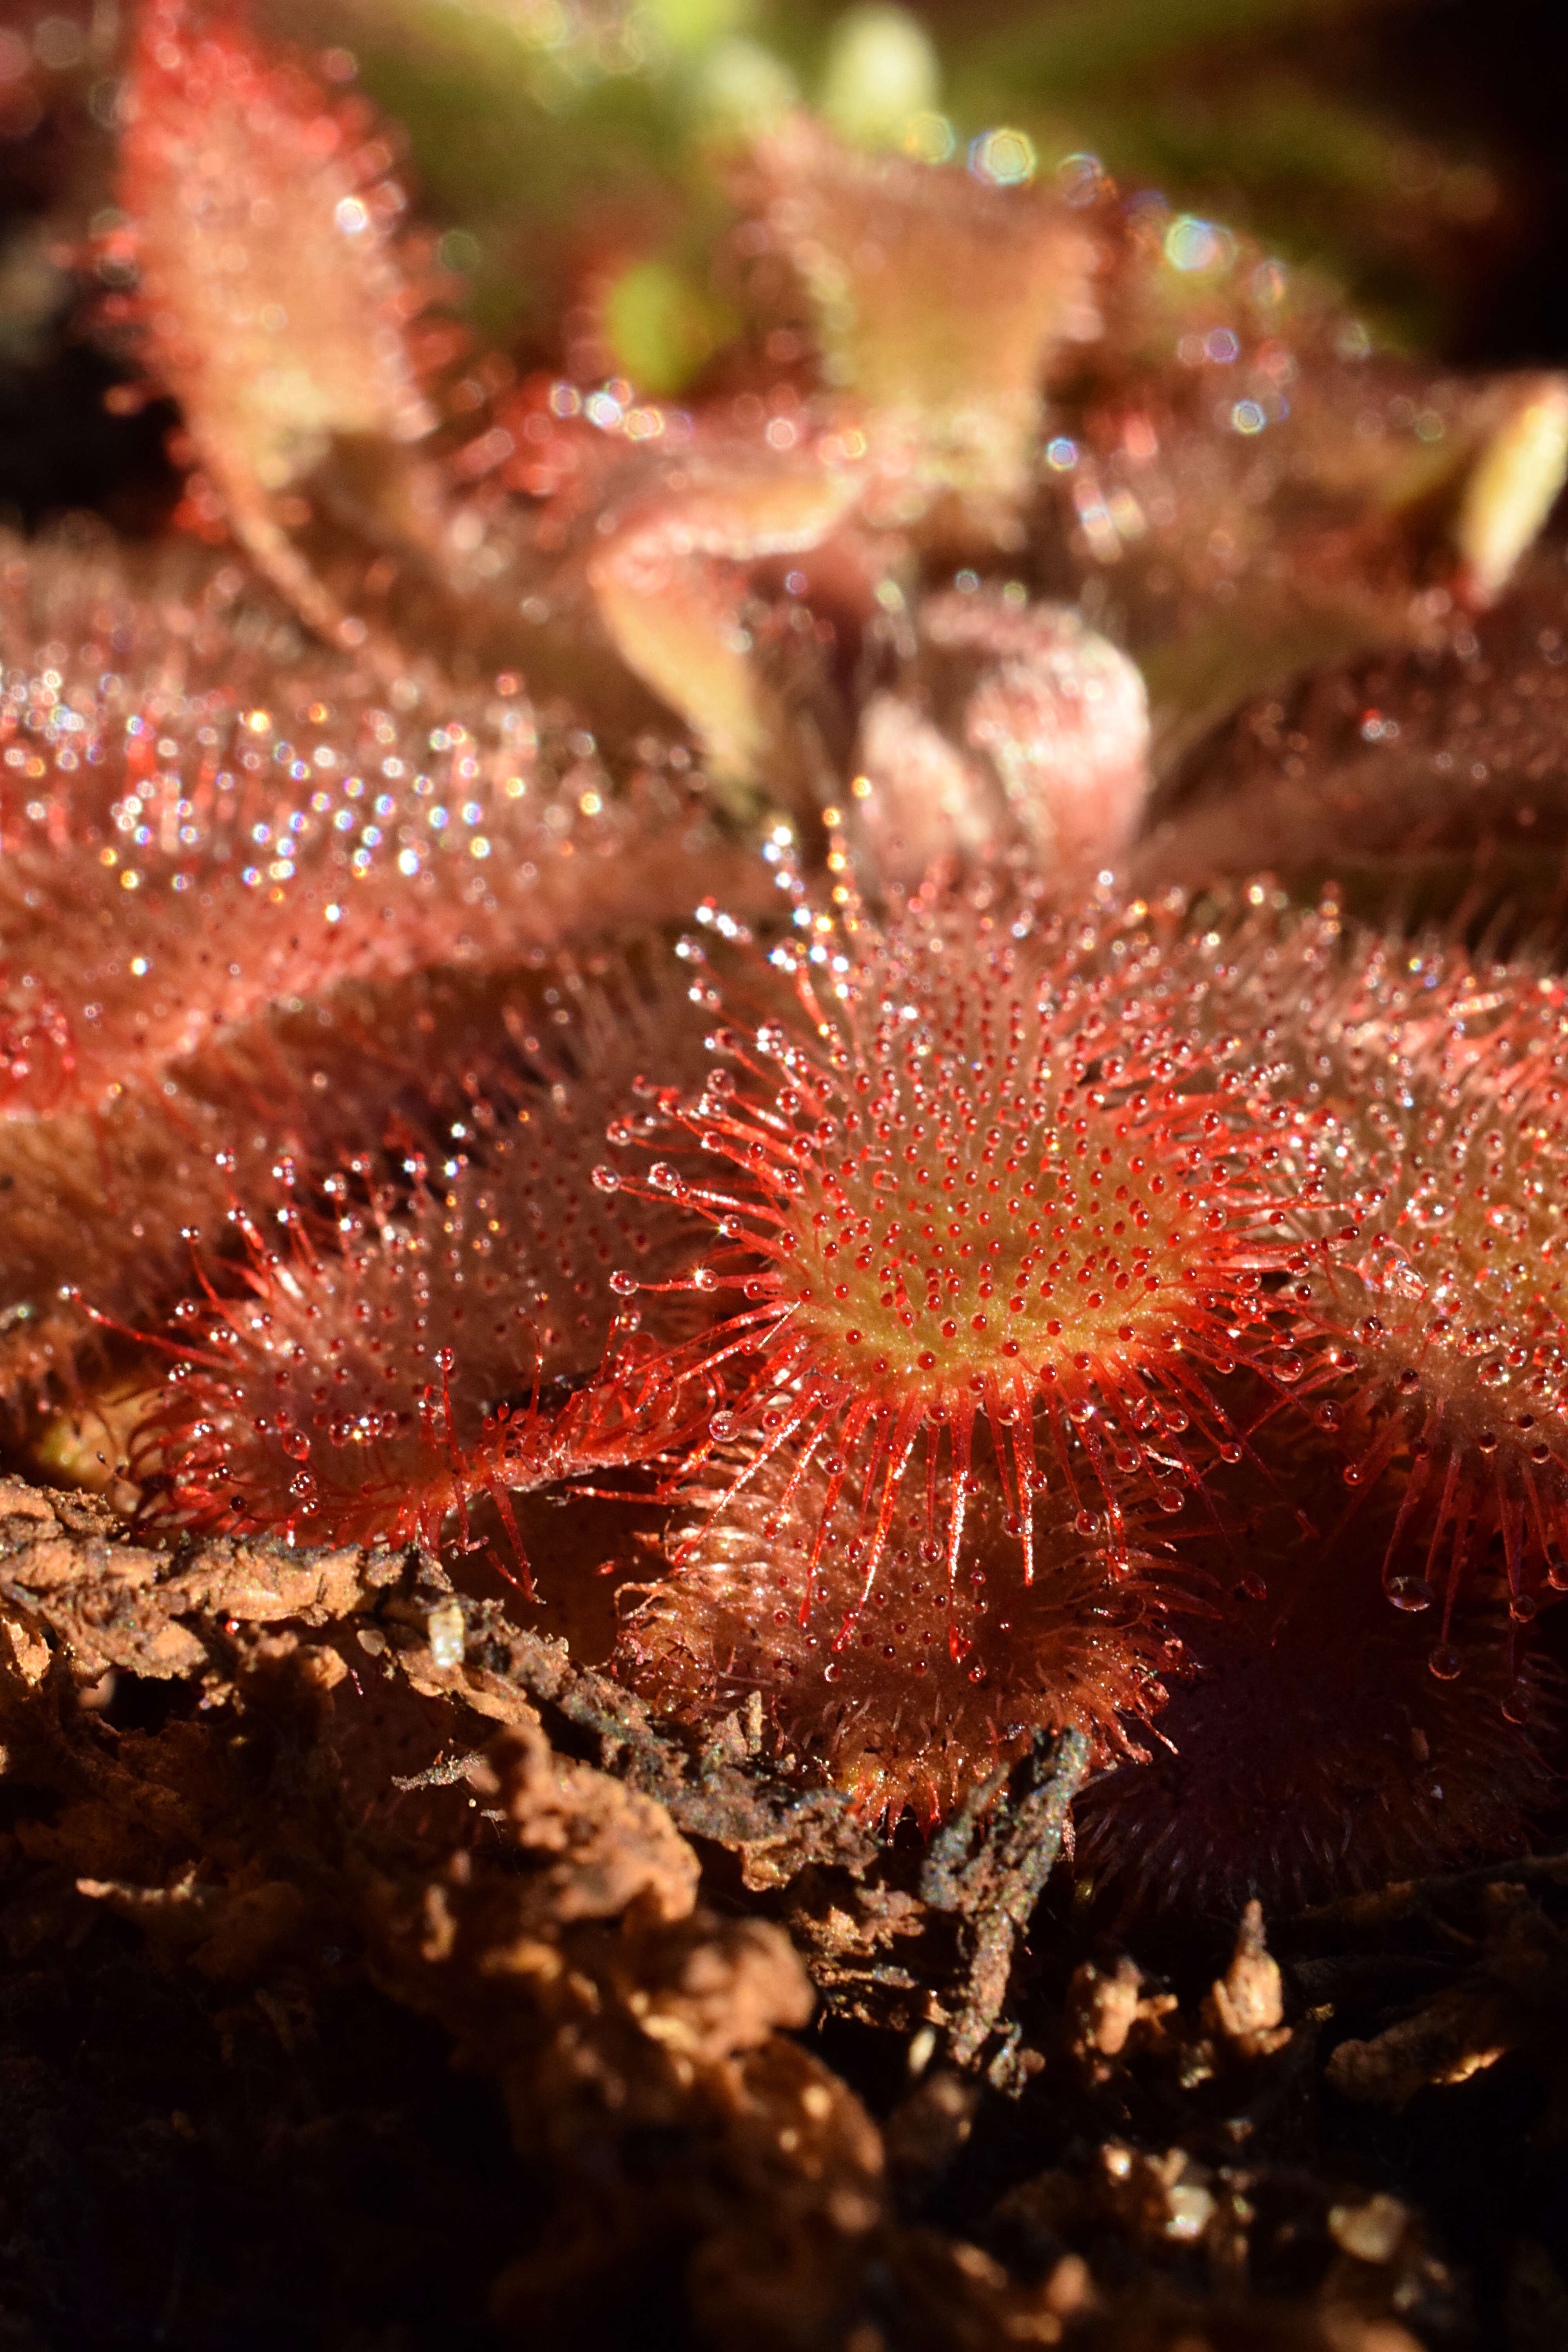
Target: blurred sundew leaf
point(1513, 487)
point(554, 131)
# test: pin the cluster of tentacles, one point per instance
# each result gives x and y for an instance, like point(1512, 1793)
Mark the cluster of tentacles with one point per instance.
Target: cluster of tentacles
point(647, 983)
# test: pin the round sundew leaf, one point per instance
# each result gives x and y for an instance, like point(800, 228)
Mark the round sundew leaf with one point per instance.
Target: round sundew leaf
point(911, 1699)
point(197, 823)
point(997, 1166)
point(1427, 1085)
point(466, 1335)
point(1316, 1738)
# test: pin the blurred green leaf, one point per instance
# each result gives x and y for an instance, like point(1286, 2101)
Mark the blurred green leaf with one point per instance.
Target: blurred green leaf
point(1098, 45)
point(661, 326)
point(880, 71)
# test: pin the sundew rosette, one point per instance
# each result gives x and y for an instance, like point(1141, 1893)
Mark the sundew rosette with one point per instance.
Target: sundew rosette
point(199, 820)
